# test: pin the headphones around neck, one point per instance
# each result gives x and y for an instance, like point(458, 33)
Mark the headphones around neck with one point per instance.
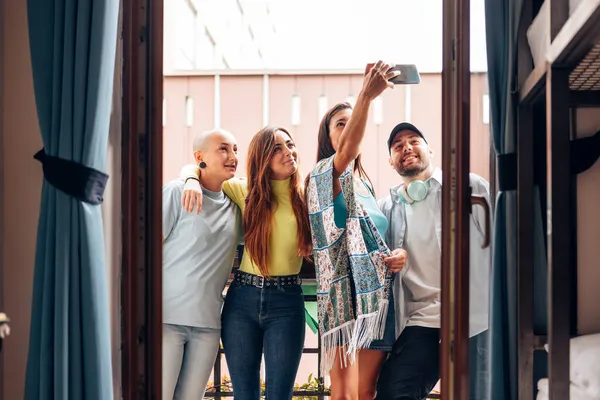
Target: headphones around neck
point(414, 192)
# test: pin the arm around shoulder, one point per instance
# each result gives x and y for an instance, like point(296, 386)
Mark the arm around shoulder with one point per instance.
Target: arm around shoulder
point(236, 189)
point(189, 171)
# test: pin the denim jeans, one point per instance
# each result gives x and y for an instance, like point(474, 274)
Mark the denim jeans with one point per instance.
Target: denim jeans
point(256, 321)
point(188, 358)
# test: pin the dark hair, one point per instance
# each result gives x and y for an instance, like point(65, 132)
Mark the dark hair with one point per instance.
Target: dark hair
point(324, 145)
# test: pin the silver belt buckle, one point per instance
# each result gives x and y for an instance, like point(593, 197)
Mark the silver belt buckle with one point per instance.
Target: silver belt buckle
point(260, 282)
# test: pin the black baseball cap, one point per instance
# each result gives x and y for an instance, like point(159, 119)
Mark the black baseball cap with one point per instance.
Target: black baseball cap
point(403, 126)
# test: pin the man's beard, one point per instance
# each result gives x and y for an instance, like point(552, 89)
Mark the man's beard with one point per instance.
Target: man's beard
point(410, 172)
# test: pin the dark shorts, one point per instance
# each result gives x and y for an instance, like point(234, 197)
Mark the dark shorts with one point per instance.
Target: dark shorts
point(389, 335)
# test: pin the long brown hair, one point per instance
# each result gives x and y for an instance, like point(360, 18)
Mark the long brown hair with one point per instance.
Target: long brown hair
point(324, 145)
point(261, 203)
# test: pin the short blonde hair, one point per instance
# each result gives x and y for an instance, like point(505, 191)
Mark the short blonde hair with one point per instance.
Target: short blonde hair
point(200, 138)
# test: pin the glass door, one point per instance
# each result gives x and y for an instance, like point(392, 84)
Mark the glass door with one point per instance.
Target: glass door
point(457, 200)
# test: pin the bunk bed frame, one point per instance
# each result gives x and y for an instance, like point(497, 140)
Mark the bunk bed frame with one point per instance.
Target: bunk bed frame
point(567, 80)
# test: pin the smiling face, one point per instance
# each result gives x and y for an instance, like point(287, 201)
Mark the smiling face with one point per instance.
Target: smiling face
point(219, 152)
point(409, 154)
point(284, 161)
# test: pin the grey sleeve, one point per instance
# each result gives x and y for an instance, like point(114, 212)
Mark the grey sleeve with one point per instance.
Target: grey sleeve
point(480, 187)
point(171, 206)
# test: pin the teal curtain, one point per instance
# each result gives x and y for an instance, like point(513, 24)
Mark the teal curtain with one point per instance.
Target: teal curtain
point(501, 23)
point(502, 19)
point(73, 45)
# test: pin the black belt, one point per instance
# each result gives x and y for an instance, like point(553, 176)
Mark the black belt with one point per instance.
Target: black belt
point(260, 282)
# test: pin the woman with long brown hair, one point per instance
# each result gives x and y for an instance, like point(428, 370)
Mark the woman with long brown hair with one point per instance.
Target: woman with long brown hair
point(354, 265)
point(264, 308)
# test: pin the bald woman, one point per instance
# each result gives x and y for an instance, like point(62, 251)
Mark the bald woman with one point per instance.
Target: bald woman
point(198, 253)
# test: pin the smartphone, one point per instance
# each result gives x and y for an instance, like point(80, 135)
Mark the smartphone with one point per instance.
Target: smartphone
point(409, 75)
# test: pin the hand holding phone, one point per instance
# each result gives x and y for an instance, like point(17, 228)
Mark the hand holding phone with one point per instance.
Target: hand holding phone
point(409, 75)
point(377, 80)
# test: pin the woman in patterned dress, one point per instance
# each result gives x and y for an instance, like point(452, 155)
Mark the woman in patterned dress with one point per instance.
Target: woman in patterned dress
point(354, 267)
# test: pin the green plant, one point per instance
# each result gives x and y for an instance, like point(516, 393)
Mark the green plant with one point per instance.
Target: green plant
point(312, 385)
point(225, 386)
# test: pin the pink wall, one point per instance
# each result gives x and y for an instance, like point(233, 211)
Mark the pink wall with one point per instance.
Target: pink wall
point(241, 109)
point(241, 112)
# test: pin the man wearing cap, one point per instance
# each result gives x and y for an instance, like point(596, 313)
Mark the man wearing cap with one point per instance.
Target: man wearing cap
point(414, 212)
